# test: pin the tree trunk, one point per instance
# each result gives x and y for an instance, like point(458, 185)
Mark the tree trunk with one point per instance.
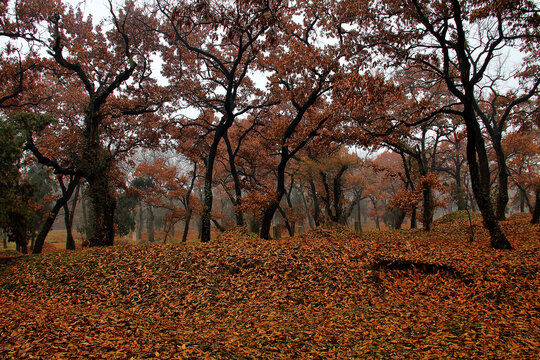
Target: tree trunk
point(522, 196)
point(17, 234)
point(502, 186)
point(480, 178)
point(316, 204)
point(70, 242)
point(267, 220)
point(338, 194)
point(502, 191)
point(206, 216)
point(49, 221)
point(68, 216)
point(186, 226)
point(236, 181)
point(427, 214)
point(150, 223)
point(536, 212)
point(359, 215)
point(273, 206)
point(85, 217)
point(308, 213)
point(288, 224)
point(460, 193)
point(218, 225)
point(102, 206)
point(413, 218)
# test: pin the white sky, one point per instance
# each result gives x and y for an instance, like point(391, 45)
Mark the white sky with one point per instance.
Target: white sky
point(97, 8)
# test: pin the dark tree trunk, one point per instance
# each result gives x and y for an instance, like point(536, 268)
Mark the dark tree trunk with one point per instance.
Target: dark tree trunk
point(49, 221)
point(68, 216)
point(186, 226)
point(338, 194)
point(502, 191)
point(85, 217)
point(413, 218)
point(427, 214)
point(480, 178)
point(501, 201)
point(70, 242)
point(536, 212)
point(316, 203)
point(206, 216)
point(288, 224)
point(273, 206)
point(326, 197)
point(17, 234)
point(267, 220)
point(102, 206)
point(236, 181)
point(476, 150)
point(218, 225)
point(522, 197)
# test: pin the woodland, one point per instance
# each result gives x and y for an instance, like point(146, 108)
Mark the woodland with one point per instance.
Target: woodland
point(269, 179)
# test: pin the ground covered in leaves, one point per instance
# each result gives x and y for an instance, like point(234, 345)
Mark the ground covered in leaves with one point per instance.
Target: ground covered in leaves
point(326, 294)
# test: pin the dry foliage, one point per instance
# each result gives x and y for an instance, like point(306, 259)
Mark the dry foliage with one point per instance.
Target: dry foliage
point(335, 294)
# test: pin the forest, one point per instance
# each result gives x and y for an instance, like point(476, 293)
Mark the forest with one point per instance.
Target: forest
point(269, 179)
point(275, 115)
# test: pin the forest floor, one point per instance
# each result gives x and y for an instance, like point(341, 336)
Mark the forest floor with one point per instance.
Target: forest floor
point(326, 294)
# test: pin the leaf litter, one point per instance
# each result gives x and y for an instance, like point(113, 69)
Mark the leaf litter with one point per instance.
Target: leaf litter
point(327, 294)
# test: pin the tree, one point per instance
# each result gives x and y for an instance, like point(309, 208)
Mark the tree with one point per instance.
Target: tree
point(440, 37)
point(338, 188)
point(210, 54)
point(124, 216)
point(495, 110)
point(422, 146)
point(103, 81)
point(453, 162)
point(163, 187)
point(304, 70)
point(523, 148)
point(17, 206)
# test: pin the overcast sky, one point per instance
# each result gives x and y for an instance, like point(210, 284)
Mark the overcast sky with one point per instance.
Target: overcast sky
point(97, 8)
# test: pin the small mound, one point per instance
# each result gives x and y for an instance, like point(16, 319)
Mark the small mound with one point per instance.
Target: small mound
point(457, 217)
point(237, 233)
point(328, 230)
